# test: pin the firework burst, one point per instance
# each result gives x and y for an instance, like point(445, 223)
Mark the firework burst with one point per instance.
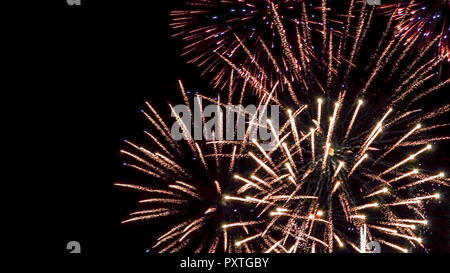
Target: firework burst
point(327, 182)
point(347, 50)
point(244, 30)
point(423, 21)
point(334, 173)
point(187, 180)
point(345, 158)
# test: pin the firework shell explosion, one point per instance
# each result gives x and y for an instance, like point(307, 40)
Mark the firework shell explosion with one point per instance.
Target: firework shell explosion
point(187, 180)
point(347, 155)
point(423, 21)
point(332, 176)
point(240, 30)
point(327, 48)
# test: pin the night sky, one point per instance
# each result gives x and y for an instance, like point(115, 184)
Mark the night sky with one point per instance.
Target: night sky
point(80, 76)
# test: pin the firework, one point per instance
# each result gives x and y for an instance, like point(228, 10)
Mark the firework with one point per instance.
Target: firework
point(329, 179)
point(345, 164)
point(186, 179)
point(423, 21)
point(332, 174)
point(350, 48)
point(244, 30)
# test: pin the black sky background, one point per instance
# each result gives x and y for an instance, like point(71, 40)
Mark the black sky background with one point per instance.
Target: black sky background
point(79, 76)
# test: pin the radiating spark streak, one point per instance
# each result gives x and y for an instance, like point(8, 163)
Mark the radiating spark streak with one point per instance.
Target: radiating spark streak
point(366, 146)
point(185, 98)
point(336, 186)
point(202, 158)
point(338, 240)
point(225, 240)
point(404, 203)
point(239, 224)
point(284, 197)
point(186, 133)
point(424, 141)
point(163, 200)
point(330, 61)
point(415, 171)
point(186, 185)
point(193, 223)
point(151, 216)
point(160, 129)
point(402, 225)
point(262, 164)
point(417, 239)
point(248, 182)
point(261, 181)
point(273, 247)
point(143, 170)
point(338, 169)
point(144, 189)
point(358, 216)
point(233, 157)
point(279, 213)
point(404, 250)
point(433, 114)
point(312, 146)
point(383, 229)
point(216, 151)
point(185, 190)
point(332, 122)
point(440, 175)
point(372, 205)
point(411, 157)
point(383, 190)
point(246, 199)
point(378, 127)
point(436, 195)
point(210, 210)
point(252, 57)
point(274, 132)
point(357, 164)
point(324, 23)
point(288, 166)
point(238, 243)
point(325, 156)
point(171, 163)
point(295, 133)
point(227, 197)
point(422, 222)
point(284, 43)
point(291, 250)
point(289, 156)
point(192, 229)
point(170, 233)
point(159, 143)
point(319, 111)
point(151, 211)
point(431, 90)
point(255, 200)
point(357, 38)
point(262, 151)
point(218, 188)
point(145, 162)
point(291, 179)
